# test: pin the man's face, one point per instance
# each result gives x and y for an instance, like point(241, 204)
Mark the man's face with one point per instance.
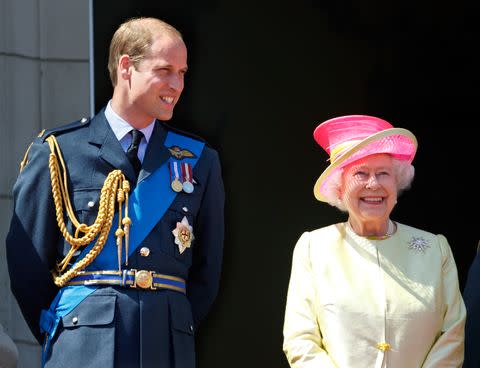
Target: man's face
point(157, 82)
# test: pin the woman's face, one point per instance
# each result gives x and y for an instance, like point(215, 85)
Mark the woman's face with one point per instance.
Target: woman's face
point(369, 188)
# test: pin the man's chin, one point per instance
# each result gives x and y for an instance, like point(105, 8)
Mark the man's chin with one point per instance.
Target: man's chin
point(165, 116)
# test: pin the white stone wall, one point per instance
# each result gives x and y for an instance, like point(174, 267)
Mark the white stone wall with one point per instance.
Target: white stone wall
point(44, 79)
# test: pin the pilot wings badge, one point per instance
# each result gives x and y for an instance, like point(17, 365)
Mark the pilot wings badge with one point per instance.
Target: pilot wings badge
point(180, 153)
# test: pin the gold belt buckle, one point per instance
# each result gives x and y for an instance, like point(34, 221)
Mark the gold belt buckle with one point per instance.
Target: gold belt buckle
point(143, 279)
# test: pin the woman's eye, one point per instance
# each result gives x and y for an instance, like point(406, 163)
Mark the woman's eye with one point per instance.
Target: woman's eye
point(361, 174)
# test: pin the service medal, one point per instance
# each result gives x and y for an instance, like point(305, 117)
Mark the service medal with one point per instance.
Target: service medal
point(175, 182)
point(187, 187)
point(187, 177)
point(177, 185)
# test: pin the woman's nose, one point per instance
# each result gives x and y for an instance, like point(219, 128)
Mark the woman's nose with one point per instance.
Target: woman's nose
point(372, 182)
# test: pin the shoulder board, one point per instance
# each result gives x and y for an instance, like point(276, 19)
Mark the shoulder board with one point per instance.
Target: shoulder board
point(182, 132)
point(65, 128)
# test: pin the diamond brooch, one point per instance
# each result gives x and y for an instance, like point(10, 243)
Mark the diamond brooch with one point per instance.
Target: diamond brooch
point(418, 244)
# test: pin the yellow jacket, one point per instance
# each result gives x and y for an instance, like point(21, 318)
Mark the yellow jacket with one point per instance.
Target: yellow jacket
point(355, 302)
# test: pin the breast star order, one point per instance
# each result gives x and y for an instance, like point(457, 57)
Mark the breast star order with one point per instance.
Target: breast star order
point(183, 235)
point(418, 244)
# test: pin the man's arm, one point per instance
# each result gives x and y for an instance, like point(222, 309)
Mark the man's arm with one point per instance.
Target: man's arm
point(471, 295)
point(32, 238)
point(204, 275)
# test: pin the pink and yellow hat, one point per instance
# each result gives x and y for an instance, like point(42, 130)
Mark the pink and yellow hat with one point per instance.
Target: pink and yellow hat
point(352, 137)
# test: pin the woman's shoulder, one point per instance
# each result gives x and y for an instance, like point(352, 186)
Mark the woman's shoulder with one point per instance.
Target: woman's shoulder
point(326, 230)
point(421, 238)
point(319, 241)
point(324, 235)
point(413, 230)
point(407, 229)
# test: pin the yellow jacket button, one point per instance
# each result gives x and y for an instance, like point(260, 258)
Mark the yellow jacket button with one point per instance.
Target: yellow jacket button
point(383, 346)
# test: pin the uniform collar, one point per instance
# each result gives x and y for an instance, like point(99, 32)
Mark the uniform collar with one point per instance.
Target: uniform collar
point(121, 127)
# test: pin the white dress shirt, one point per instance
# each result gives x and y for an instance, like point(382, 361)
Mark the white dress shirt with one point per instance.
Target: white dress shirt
point(121, 128)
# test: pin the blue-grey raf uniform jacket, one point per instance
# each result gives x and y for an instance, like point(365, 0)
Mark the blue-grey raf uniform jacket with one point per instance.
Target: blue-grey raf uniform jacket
point(471, 295)
point(117, 327)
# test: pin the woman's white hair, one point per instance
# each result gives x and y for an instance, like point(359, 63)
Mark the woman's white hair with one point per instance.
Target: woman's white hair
point(403, 170)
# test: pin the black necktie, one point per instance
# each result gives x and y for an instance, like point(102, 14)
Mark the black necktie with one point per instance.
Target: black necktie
point(132, 151)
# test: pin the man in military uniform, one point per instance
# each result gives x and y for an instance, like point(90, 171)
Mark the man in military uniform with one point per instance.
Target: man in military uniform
point(126, 214)
point(471, 296)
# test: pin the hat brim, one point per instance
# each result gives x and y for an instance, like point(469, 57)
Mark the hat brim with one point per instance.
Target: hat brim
point(349, 155)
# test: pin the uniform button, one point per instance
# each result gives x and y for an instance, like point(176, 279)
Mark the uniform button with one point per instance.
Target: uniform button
point(91, 204)
point(75, 320)
point(83, 121)
point(185, 209)
point(144, 252)
point(191, 328)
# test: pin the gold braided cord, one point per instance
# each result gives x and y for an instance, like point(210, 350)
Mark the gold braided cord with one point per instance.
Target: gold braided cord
point(114, 190)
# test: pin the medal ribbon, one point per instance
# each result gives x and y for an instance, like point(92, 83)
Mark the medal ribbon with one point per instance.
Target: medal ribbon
point(187, 172)
point(174, 175)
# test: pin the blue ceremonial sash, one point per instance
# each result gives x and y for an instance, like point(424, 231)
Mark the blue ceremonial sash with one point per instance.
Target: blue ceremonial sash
point(147, 205)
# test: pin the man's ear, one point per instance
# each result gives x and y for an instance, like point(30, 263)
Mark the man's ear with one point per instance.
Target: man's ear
point(125, 66)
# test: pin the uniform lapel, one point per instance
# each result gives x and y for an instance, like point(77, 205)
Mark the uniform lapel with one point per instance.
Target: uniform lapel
point(156, 153)
point(110, 151)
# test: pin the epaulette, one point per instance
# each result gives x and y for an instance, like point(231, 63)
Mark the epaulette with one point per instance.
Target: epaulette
point(47, 132)
point(64, 128)
point(182, 132)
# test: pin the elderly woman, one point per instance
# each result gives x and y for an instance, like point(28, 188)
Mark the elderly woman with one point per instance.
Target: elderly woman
point(371, 292)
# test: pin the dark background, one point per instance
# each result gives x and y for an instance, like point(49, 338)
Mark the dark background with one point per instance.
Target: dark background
point(261, 77)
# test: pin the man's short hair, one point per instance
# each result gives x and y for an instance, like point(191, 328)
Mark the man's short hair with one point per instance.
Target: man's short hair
point(134, 38)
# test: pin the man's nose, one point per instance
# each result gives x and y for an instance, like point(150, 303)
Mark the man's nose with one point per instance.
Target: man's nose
point(176, 82)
